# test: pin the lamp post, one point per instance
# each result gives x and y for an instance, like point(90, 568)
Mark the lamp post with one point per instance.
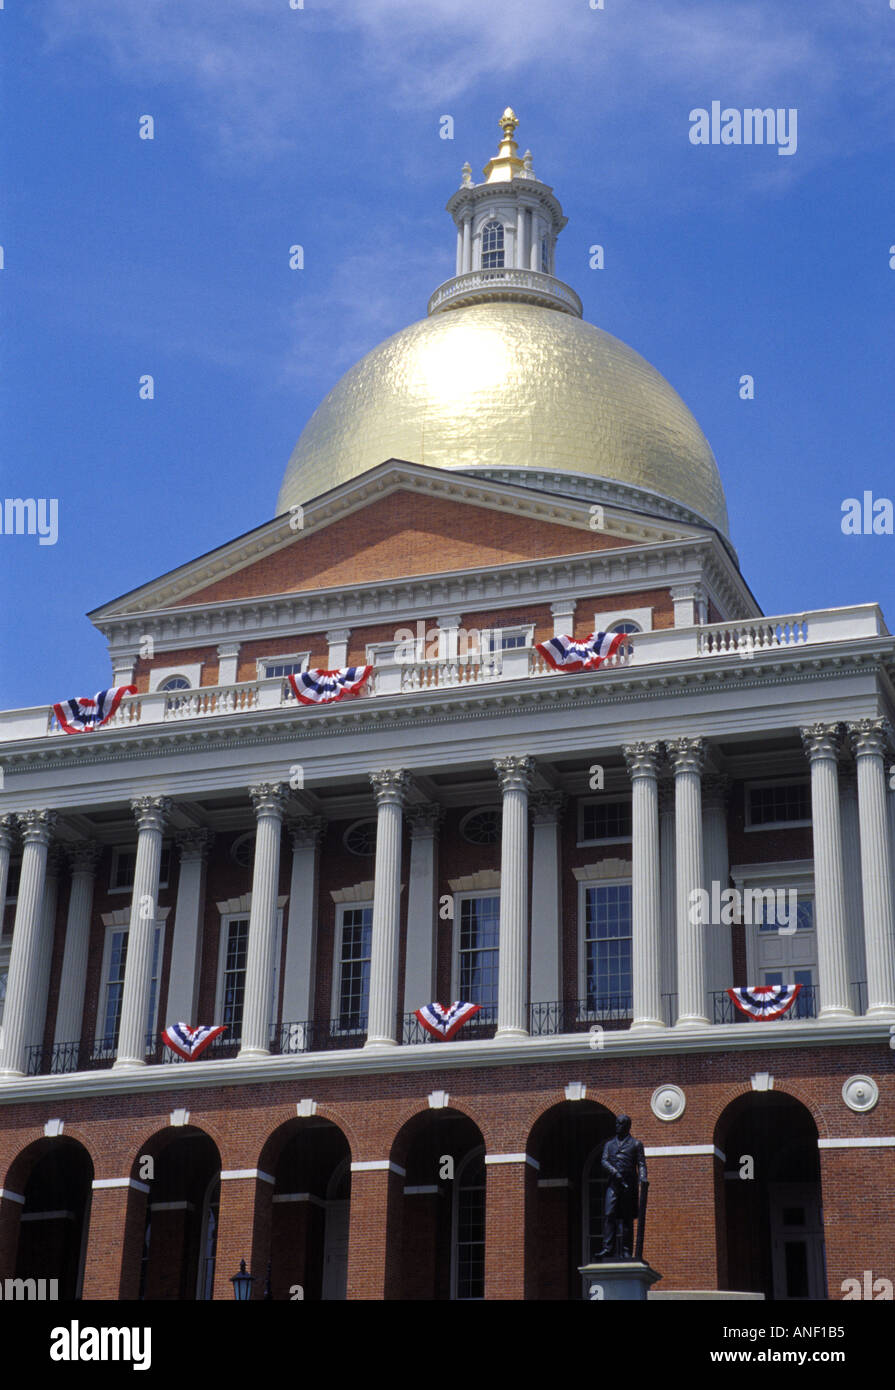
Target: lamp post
point(242, 1283)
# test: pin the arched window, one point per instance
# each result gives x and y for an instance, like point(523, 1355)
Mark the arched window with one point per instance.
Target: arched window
point(492, 245)
point(208, 1247)
point(468, 1282)
point(625, 626)
point(175, 683)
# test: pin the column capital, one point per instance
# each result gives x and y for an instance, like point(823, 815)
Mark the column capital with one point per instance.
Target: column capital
point(715, 791)
point(390, 786)
point(83, 856)
point(269, 799)
point(36, 826)
point(229, 648)
point(686, 754)
point(337, 634)
point(9, 830)
point(424, 819)
point(821, 741)
point(194, 843)
point(306, 831)
point(642, 759)
point(514, 773)
point(869, 737)
point(151, 812)
point(546, 807)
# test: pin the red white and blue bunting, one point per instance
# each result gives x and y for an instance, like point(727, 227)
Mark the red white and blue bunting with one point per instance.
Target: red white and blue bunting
point(82, 714)
point(325, 687)
point(566, 655)
point(189, 1042)
point(443, 1022)
point(764, 1001)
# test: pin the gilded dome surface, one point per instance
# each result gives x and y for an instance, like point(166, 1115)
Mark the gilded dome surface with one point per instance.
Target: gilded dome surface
point(508, 385)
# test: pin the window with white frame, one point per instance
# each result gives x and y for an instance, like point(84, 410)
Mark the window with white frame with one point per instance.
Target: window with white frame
point(492, 245)
point(506, 639)
point(777, 805)
point(108, 1020)
point(232, 959)
point(781, 930)
point(545, 256)
point(477, 926)
point(286, 665)
point(124, 864)
point(605, 914)
point(174, 683)
point(354, 935)
point(604, 820)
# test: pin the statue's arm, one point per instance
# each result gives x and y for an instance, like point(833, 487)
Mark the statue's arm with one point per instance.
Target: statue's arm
point(641, 1163)
point(609, 1166)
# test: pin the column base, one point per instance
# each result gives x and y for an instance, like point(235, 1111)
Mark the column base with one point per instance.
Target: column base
point(10, 1074)
point(647, 1025)
point(834, 1012)
point(127, 1063)
point(511, 1034)
point(880, 1011)
point(380, 1043)
point(252, 1054)
point(692, 1021)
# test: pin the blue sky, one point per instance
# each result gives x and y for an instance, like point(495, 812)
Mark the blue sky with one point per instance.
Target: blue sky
point(320, 126)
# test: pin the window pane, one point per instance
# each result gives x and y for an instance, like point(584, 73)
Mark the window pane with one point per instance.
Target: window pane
point(784, 802)
point(606, 820)
point(492, 246)
point(114, 986)
point(479, 938)
point(354, 975)
point(608, 946)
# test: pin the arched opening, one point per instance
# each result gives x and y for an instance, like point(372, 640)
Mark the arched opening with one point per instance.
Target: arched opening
point(311, 1162)
point(492, 245)
point(770, 1216)
point(567, 1141)
point(54, 1220)
point(441, 1251)
point(180, 1235)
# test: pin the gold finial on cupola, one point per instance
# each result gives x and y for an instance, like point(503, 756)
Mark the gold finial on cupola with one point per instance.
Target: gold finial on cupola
point(506, 164)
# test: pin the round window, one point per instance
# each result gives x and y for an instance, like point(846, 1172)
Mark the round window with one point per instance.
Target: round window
point(481, 827)
point(242, 851)
point(360, 838)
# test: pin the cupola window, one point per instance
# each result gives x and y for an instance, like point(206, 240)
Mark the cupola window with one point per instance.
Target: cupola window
point(545, 256)
point(492, 246)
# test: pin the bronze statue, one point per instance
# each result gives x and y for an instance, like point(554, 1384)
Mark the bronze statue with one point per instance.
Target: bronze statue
point(624, 1161)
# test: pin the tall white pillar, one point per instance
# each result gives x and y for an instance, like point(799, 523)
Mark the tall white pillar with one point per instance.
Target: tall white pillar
point(459, 270)
point(189, 915)
point(8, 833)
point(514, 777)
point(390, 788)
point(534, 245)
point(546, 897)
point(467, 244)
point(38, 1019)
point(521, 247)
point(269, 800)
point(643, 765)
point(83, 859)
point(719, 938)
point(890, 805)
point(687, 757)
point(851, 871)
point(668, 897)
point(821, 742)
point(151, 812)
point(306, 833)
point(422, 906)
point(37, 829)
point(869, 740)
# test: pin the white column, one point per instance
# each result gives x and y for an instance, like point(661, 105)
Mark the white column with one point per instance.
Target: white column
point(851, 873)
point(337, 643)
point(83, 859)
point(821, 742)
point(467, 244)
point(228, 666)
point(8, 826)
point(38, 1018)
point(521, 248)
point(668, 896)
point(422, 906)
point(390, 788)
point(514, 776)
point(890, 802)
point(123, 667)
point(643, 764)
point(546, 897)
point(151, 813)
point(563, 612)
point(719, 938)
point(687, 756)
point(459, 270)
point(306, 833)
point(269, 800)
point(37, 828)
point(534, 246)
point(189, 921)
point(870, 739)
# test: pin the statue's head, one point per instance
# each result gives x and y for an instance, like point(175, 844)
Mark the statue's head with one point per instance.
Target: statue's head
point(623, 1126)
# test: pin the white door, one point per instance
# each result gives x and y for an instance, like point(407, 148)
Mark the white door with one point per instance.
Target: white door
point(335, 1251)
point(797, 1242)
point(789, 958)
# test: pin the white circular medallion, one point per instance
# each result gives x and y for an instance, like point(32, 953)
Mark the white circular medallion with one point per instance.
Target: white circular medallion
point(668, 1102)
point(860, 1093)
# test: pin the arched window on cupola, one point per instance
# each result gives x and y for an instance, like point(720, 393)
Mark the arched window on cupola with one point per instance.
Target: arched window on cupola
point(492, 245)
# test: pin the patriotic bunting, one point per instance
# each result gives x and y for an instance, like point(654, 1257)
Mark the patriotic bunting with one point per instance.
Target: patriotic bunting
point(444, 1022)
point(189, 1042)
point(82, 715)
point(568, 656)
point(325, 687)
point(764, 1001)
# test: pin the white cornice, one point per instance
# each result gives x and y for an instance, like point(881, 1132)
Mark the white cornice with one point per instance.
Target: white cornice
point(312, 1066)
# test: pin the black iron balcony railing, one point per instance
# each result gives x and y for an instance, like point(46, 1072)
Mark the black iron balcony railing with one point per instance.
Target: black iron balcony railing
point(482, 1025)
point(607, 1011)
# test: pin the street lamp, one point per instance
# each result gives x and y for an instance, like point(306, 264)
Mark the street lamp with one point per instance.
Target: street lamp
point(242, 1283)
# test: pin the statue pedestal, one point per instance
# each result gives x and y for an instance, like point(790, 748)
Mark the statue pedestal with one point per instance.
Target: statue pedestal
point(617, 1280)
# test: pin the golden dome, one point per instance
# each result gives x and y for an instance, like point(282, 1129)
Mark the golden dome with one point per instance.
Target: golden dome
point(508, 385)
